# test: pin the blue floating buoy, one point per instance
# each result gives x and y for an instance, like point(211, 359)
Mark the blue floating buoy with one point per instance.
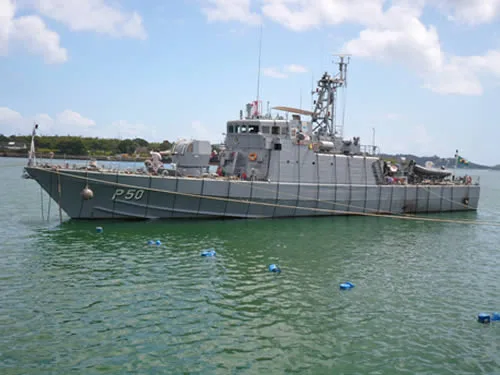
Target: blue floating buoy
point(99, 229)
point(158, 242)
point(346, 285)
point(483, 318)
point(151, 242)
point(274, 268)
point(495, 317)
point(208, 253)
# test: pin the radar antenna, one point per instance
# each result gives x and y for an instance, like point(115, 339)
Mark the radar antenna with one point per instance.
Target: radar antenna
point(324, 114)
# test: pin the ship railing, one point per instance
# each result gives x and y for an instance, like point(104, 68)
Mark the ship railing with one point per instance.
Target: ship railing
point(466, 179)
point(370, 150)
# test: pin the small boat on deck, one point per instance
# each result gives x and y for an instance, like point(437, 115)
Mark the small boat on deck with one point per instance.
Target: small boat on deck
point(431, 171)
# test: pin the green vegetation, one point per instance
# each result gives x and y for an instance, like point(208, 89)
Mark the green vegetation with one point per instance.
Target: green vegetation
point(82, 146)
point(140, 148)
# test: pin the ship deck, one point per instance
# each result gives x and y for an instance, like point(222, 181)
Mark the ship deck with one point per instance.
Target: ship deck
point(141, 172)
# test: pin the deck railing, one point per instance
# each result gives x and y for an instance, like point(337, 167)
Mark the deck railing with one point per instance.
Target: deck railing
point(370, 150)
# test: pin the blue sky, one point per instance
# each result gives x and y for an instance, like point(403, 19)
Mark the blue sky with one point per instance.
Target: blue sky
point(424, 73)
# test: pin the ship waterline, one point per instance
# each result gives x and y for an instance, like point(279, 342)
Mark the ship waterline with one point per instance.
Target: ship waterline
point(123, 196)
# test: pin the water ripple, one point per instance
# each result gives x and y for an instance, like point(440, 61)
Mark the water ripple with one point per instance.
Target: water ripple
point(74, 301)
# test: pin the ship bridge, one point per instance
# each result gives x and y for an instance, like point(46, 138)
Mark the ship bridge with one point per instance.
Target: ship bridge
point(268, 127)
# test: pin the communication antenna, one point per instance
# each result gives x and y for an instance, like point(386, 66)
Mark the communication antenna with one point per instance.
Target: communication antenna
point(258, 72)
point(344, 60)
point(325, 106)
point(312, 91)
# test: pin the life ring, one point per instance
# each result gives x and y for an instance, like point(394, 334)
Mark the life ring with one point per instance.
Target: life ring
point(465, 201)
point(468, 180)
point(252, 156)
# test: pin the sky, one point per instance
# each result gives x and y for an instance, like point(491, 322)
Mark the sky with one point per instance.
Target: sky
point(424, 75)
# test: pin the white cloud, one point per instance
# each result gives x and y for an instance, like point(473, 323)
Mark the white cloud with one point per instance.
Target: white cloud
point(125, 129)
point(393, 32)
point(472, 12)
point(293, 68)
point(273, 73)
point(91, 15)
point(231, 10)
point(9, 116)
point(200, 131)
point(302, 15)
point(72, 123)
point(31, 33)
point(6, 16)
point(64, 123)
point(401, 36)
point(71, 119)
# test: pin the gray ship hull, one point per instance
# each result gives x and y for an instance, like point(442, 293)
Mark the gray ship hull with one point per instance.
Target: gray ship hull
point(122, 196)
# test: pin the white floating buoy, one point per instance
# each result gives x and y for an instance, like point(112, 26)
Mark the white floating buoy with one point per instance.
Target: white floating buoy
point(87, 193)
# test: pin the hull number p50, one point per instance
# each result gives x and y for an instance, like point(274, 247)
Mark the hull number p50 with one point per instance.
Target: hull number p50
point(128, 194)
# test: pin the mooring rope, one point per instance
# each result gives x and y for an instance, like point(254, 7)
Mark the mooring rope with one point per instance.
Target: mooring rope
point(59, 190)
point(48, 208)
point(332, 211)
point(41, 202)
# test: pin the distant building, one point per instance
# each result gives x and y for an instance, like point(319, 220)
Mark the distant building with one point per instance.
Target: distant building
point(13, 146)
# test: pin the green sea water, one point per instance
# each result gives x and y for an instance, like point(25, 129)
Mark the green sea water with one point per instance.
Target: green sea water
point(76, 301)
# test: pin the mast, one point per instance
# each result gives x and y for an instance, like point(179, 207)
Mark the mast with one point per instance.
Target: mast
point(325, 106)
point(32, 152)
point(257, 112)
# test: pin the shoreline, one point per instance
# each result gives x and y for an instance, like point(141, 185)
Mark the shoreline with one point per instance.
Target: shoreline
point(82, 157)
point(74, 157)
point(6, 154)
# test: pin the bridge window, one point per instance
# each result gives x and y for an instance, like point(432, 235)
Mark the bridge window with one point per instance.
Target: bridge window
point(230, 129)
point(265, 130)
point(276, 130)
point(253, 129)
point(241, 129)
point(284, 131)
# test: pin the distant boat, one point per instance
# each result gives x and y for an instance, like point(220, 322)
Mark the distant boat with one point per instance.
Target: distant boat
point(269, 167)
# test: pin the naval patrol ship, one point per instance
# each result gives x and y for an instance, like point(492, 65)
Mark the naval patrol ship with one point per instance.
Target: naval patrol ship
point(270, 167)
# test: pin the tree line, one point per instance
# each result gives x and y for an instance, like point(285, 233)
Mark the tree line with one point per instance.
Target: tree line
point(83, 146)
